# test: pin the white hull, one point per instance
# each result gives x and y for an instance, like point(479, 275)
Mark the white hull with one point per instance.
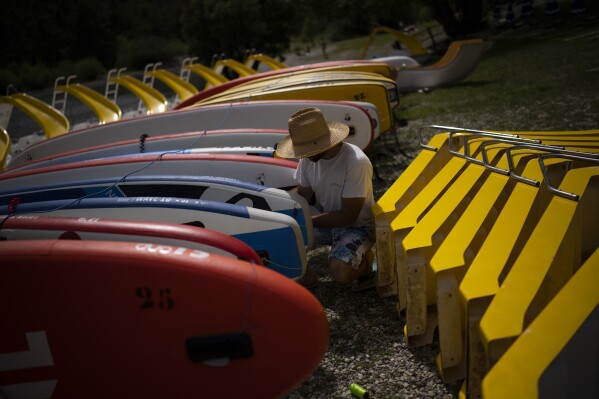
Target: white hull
point(252, 114)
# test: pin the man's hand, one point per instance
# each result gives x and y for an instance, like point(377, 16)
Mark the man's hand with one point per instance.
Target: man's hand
point(305, 192)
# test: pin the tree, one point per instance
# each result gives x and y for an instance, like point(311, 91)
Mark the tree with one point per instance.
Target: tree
point(231, 27)
point(459, 17)
point(90, 34)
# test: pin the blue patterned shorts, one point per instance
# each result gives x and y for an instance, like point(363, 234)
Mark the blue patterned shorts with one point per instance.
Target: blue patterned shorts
point(348, 244)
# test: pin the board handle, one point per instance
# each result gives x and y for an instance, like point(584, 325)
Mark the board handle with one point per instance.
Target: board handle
point(219, 350)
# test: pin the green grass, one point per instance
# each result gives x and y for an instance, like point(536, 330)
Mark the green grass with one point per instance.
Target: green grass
point(532, 79)
point(540, 75)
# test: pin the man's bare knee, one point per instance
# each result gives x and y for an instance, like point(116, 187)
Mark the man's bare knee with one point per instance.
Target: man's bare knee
point(341, 271)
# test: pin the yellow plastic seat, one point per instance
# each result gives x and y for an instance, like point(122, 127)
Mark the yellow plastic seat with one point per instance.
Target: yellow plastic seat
point(411, 182)
point(4, 148)
point(421, 170)
point(420, 229)
point(504, 241)
point(414, 211)
point(238, 67)
point(489, 229)
point(557, 354)
point(407, 219)
point(154, 101)
point(270, 62)
point(52, 121)
point(565, 236)
point(211, 77)
point(450, 262)
point(181, 87)
point(450, 55)
point(105, 110)
point(424, 235)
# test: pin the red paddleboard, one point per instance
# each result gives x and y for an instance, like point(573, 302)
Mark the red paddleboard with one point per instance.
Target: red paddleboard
point(94, 319)
point(163, 235)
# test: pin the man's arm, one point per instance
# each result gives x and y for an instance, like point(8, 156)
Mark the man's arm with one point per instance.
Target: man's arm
point(346, 216)
point(305, 192)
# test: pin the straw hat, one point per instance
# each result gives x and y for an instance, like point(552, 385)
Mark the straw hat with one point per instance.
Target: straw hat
point(310, 134)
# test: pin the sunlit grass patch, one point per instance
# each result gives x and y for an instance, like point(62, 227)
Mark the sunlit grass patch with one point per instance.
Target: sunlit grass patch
point(532, 84)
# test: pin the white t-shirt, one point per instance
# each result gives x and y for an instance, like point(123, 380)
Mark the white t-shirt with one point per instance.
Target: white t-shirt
point(347, 175)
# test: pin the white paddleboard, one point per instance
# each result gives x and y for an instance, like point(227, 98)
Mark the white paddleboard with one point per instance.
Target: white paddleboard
point(253, 114)
point(208, 188)
point(171, 142)
point(269, 172)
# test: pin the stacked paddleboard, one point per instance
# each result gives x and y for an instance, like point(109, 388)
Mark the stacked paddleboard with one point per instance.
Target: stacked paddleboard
point(206, 188)
point(161, 237)
point(99, 319)
point(164, 248)
point(163, 230)
point(239, 115)
point(264, 231)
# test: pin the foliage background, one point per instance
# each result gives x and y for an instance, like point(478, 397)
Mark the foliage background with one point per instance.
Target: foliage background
point(46, 39)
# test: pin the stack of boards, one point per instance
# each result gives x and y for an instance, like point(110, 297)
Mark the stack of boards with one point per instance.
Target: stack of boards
point(98, 319)
point(149, 251)
point(158, 254)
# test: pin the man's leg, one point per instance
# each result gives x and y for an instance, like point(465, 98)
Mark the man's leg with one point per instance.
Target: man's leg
point(310, 278)
point(351, 255)
point(344, 273)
